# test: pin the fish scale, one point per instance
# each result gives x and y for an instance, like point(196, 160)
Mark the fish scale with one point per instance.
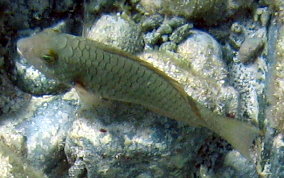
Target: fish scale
point(129, 76)
point(115, 75)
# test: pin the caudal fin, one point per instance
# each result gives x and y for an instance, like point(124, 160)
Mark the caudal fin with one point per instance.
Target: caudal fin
point(239, 134)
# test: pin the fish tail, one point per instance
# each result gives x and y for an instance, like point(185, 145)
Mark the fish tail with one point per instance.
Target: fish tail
point(239, 134)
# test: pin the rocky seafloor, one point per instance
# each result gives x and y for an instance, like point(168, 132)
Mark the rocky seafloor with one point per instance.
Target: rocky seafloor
point(234, 47)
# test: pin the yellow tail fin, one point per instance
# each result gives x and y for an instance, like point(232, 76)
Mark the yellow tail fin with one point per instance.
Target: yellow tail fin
point(239, 134)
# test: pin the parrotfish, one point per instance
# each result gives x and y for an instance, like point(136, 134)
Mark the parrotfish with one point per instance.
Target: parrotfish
point(112, 74)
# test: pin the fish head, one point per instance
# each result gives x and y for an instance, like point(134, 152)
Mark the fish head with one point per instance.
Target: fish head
point(42, 50)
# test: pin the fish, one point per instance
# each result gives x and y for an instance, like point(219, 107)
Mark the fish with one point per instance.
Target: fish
point(100, 71)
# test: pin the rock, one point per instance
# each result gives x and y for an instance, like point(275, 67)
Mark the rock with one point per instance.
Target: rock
point(237, 36)
point(12, 165)
point(236, 40)
point(278, 6)
point(32, 81)
point(46, 135)
point(11, 98)
point(168, 46)
point(249, 81)
point(237, 28)
point(151, 22)
point(181, 33)
point(249, 38)
point(251, 48)
point(40, 132)
point(175, 22)
point(277, 157)
point(204, 10)
point(247, 64)
point(262, 15)
point(241, 166)
point(164, 29)
point(204, 56)
point(106, 142)
point(226, 172)
point(171, 31)
point(94, 6)
point(165, 38)
point(151, 38)
point(117, 32)
point(275, 82)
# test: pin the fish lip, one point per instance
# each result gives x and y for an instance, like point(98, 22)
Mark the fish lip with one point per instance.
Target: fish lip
point(20, 46)
point(19, 51)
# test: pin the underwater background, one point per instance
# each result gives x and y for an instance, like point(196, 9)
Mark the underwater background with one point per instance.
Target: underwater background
point(227, 54)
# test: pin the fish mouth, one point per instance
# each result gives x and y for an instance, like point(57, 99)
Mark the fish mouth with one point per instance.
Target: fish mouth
point(20, 46)
point(19, 51)
point(25, 50)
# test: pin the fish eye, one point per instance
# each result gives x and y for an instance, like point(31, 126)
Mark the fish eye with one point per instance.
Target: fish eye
point(50, 57)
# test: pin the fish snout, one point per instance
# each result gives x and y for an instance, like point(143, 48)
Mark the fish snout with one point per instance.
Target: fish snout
point(23, 48)
point(27, 47)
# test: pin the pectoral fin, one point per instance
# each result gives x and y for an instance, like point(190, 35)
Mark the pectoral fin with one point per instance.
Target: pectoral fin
point(87, 99)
